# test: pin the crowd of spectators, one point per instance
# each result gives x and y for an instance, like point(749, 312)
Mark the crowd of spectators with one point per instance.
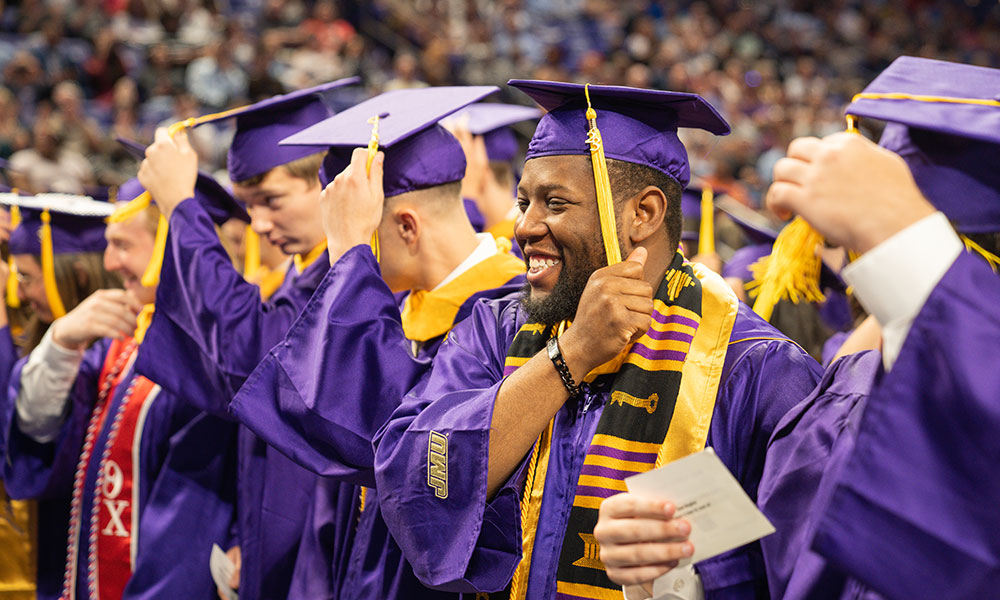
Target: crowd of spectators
point(78, 73)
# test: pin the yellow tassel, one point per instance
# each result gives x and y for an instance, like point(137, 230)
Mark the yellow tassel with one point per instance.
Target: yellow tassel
point(992, 259)
point(13, 300)
point(791, 271)
point(48, 268)
point(602, 183)
point(151, 277)
point(142, 322)
point(372, 151)
point(251, 254)
point(706, 233)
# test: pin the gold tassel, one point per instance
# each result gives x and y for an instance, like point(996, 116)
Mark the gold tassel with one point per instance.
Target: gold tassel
point(48, 268)
point(251, 254)
point(13, 300)
point(372, 151)
point(992, 259)
point(791, 271)
point(706, 233)
point(602, 183)
point(151, 277)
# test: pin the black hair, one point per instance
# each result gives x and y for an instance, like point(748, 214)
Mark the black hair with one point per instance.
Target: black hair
point(628, 179)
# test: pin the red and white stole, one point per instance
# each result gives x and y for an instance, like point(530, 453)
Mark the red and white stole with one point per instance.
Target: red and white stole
point(113, 514)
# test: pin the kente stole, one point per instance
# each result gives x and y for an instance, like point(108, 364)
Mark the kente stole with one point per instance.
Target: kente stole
point(659, 409)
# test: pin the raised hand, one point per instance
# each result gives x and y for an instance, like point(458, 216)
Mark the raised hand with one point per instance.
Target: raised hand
point(351, 206)
point(848, 188)
point(105, 313)
point(169, 170)
point(615, 310)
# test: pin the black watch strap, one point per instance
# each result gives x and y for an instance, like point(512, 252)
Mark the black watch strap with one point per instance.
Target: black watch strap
point(555, 355)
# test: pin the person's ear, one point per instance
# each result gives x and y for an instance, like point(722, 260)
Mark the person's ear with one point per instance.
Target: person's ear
point(644, 214)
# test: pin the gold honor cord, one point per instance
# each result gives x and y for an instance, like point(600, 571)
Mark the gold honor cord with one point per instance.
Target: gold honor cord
point(251, 254)
point(372, 151)
point(48, 268)
point(13, 300)
point(151, 276)
point(706, 232)
point(602, 183)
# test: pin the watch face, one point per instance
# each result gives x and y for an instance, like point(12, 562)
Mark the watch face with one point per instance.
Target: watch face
point(553, 348)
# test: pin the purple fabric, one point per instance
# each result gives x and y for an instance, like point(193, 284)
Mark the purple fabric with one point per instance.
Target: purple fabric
point(804, 460)
point(429, 158)
point(501, 145)
point(70, 234)
point(130, 190)
point(260, 126)
point(637, 126)
point(476, 218)
point(691, 212)
point(419, 153)
point(186, 491)
point(492, 120)
point(311, 398)
point(957, 175)
point(761, 380)
point(928, 77)
point(739, 265)
point(914, 511)
point(220, 330)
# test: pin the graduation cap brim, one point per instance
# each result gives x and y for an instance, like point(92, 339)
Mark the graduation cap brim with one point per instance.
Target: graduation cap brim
point(70, 204)
point(282, 100)
point(402, 114)
point(216, 199)
point(484, 117)
point(922, 89)
point(691, 110)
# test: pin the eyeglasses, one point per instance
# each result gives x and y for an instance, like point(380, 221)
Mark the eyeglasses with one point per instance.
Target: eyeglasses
point(25, 280)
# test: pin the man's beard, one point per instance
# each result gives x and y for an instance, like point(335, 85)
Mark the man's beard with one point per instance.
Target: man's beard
point(561, 304)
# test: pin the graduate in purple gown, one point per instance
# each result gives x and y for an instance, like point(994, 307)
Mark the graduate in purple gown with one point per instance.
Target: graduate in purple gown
point(149, 472)
point(881, 482)
point(77, 242)
point(323, 392)
point(215, 320)
point(492, 470)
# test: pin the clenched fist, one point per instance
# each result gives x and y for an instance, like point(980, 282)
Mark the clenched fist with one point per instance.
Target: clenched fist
point(848, 188)
point(615, 310)
point(351, 205)
point(170, 170)
point(105, 313)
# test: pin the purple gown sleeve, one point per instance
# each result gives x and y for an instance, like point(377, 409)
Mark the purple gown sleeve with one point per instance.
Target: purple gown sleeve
point(8, 358)
point(804, 459)
point(462, 542)
point(201, 297)
point(45, 470)
point(915, 511)
point(320, 395)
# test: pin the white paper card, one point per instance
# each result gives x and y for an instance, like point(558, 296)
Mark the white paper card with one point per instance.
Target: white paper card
point(222, 570)
point(706, 494)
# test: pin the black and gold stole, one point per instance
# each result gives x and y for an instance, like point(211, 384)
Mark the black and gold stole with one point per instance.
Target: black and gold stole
point(659, 410)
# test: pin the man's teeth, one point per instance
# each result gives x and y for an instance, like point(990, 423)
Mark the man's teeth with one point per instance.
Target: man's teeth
point(537, 263)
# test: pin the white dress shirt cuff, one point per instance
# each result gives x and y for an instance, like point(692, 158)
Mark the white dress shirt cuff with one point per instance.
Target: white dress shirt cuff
point(894, 279)
point(46, 380)
point(682, 583)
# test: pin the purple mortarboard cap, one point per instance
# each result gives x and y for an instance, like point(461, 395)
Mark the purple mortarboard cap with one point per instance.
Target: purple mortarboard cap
point(753, 224)
point(637, 126)
point(952, 147)
point(492, 121)
point(739, 264)
point(77, 223)
point(419, 153)
point(215, 199)
point(260, 126)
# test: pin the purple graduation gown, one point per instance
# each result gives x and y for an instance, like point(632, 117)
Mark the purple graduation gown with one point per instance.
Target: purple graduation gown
point(475, 215)
point(186, 489)
point(466, 543)
point(914, 513)
point(347, 345)
point(52, 513)
point(218, 330)
point(804, 462)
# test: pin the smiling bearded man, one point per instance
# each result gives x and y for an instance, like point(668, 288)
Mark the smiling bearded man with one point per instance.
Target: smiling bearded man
point(528, 422)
